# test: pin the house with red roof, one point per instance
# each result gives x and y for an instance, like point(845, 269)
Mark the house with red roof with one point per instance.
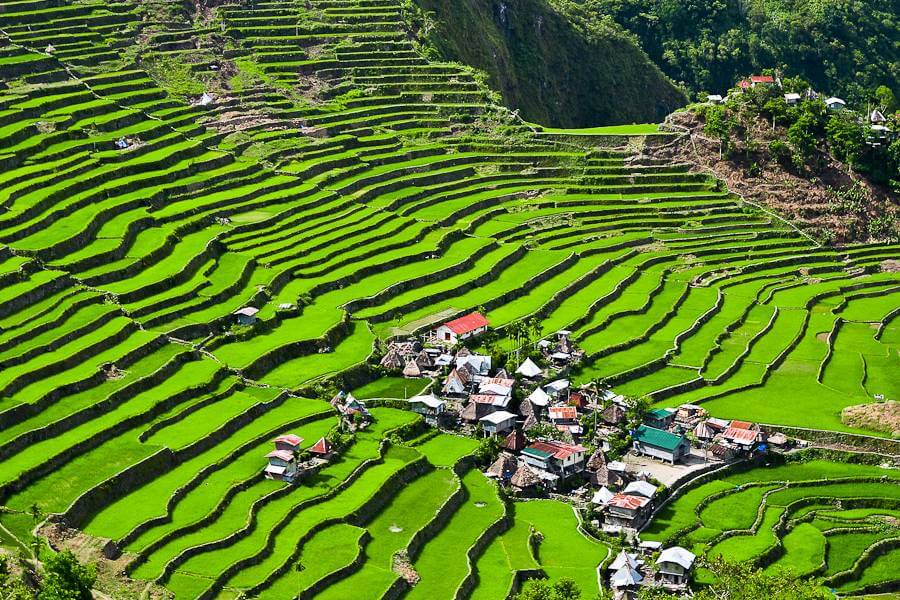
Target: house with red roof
point(289, 442)
point(462, 328)
point(558, 459)
point(756, 80)
point(743, 438)
point(628, 511)
point(322, 449)
point(565, 418)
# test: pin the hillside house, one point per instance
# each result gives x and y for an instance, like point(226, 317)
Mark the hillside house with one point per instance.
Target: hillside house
point(714, 99)
point(555, 458)
point(614, 415)
point(515, 441)
point(660, 444)
point(481, 405)
point(599, 473)
point(323, 449)
point(558, 388)
point(601, 497)
point(626, 578)
point(641, 488)
point(792, 98)
point(289, 442)
point(627, 512)
point(246, 315)
point(565, 418)
point(659, 418)
point(529, 370)
point(478, 364)
point(743, 438)
point(525, 481)
point(428, 406)
point(539, 398)
point(498, 386)
point(835, 104)
point(412, 370)
point(766, 80)
point(503, 468)
point(463, 328)
point(673, 567)
point(459, 381)
point(498, 423)
point(282, 465)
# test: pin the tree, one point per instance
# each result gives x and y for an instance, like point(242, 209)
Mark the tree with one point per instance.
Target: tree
point(488, 450)
point(719, 124)
point(847, 138)
point(541, 589)
point(67, 579)
point(545, 431)
point(886, 99)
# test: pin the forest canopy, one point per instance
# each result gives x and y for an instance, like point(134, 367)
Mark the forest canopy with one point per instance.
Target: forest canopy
point(843, 47)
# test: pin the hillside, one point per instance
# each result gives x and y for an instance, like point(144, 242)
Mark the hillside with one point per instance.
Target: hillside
point(846, 48)
point(828, 172)
point(555, 63)
point(212, 221)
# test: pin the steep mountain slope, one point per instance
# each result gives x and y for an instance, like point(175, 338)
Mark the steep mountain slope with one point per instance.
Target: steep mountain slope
point(844, 47)
point(558, 65)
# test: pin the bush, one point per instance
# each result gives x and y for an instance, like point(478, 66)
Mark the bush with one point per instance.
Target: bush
point(780, 152)
point(67, 579)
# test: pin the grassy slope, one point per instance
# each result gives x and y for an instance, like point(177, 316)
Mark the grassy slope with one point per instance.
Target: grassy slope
point(536, 57)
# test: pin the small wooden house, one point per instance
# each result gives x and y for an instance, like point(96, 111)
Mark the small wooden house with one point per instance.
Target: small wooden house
point(498, 423)
point(659, 418)
point(322, 449)
point(429, 406)
point(673, 567)
point(246, 315)
point(627, 511)
point(282, 465)
point(290, 442)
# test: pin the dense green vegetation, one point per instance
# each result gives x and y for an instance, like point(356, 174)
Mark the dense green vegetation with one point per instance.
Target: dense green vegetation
point(534, 52)
point(845, 48)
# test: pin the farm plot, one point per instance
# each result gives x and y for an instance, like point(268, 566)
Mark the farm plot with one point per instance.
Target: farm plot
point(811, 516)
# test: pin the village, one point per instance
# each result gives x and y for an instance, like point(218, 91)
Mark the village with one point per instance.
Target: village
point(612, 457)
point(879, 134)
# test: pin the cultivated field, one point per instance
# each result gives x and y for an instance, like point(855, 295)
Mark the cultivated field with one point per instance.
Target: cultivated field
point(350, 188)
point(836, 521)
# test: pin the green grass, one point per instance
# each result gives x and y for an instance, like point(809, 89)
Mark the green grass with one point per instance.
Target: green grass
point(442, 565)
point(508, 553)
point(391, 387)
point(564, 551)
point(446, 450)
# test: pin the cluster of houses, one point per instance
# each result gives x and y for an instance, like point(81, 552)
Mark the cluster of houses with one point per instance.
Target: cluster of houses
point(540, 420)
point(288, 463)
point(879, 132)
point(671, 570)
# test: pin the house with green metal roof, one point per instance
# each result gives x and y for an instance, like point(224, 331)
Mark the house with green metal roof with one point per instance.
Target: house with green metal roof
point(659, 418)
point(660, 444)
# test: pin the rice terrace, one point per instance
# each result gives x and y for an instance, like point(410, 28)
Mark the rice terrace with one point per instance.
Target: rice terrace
point(293, 307)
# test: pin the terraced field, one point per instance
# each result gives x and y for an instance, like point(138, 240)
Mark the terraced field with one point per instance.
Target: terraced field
point(834, 521)
point(350, 189)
